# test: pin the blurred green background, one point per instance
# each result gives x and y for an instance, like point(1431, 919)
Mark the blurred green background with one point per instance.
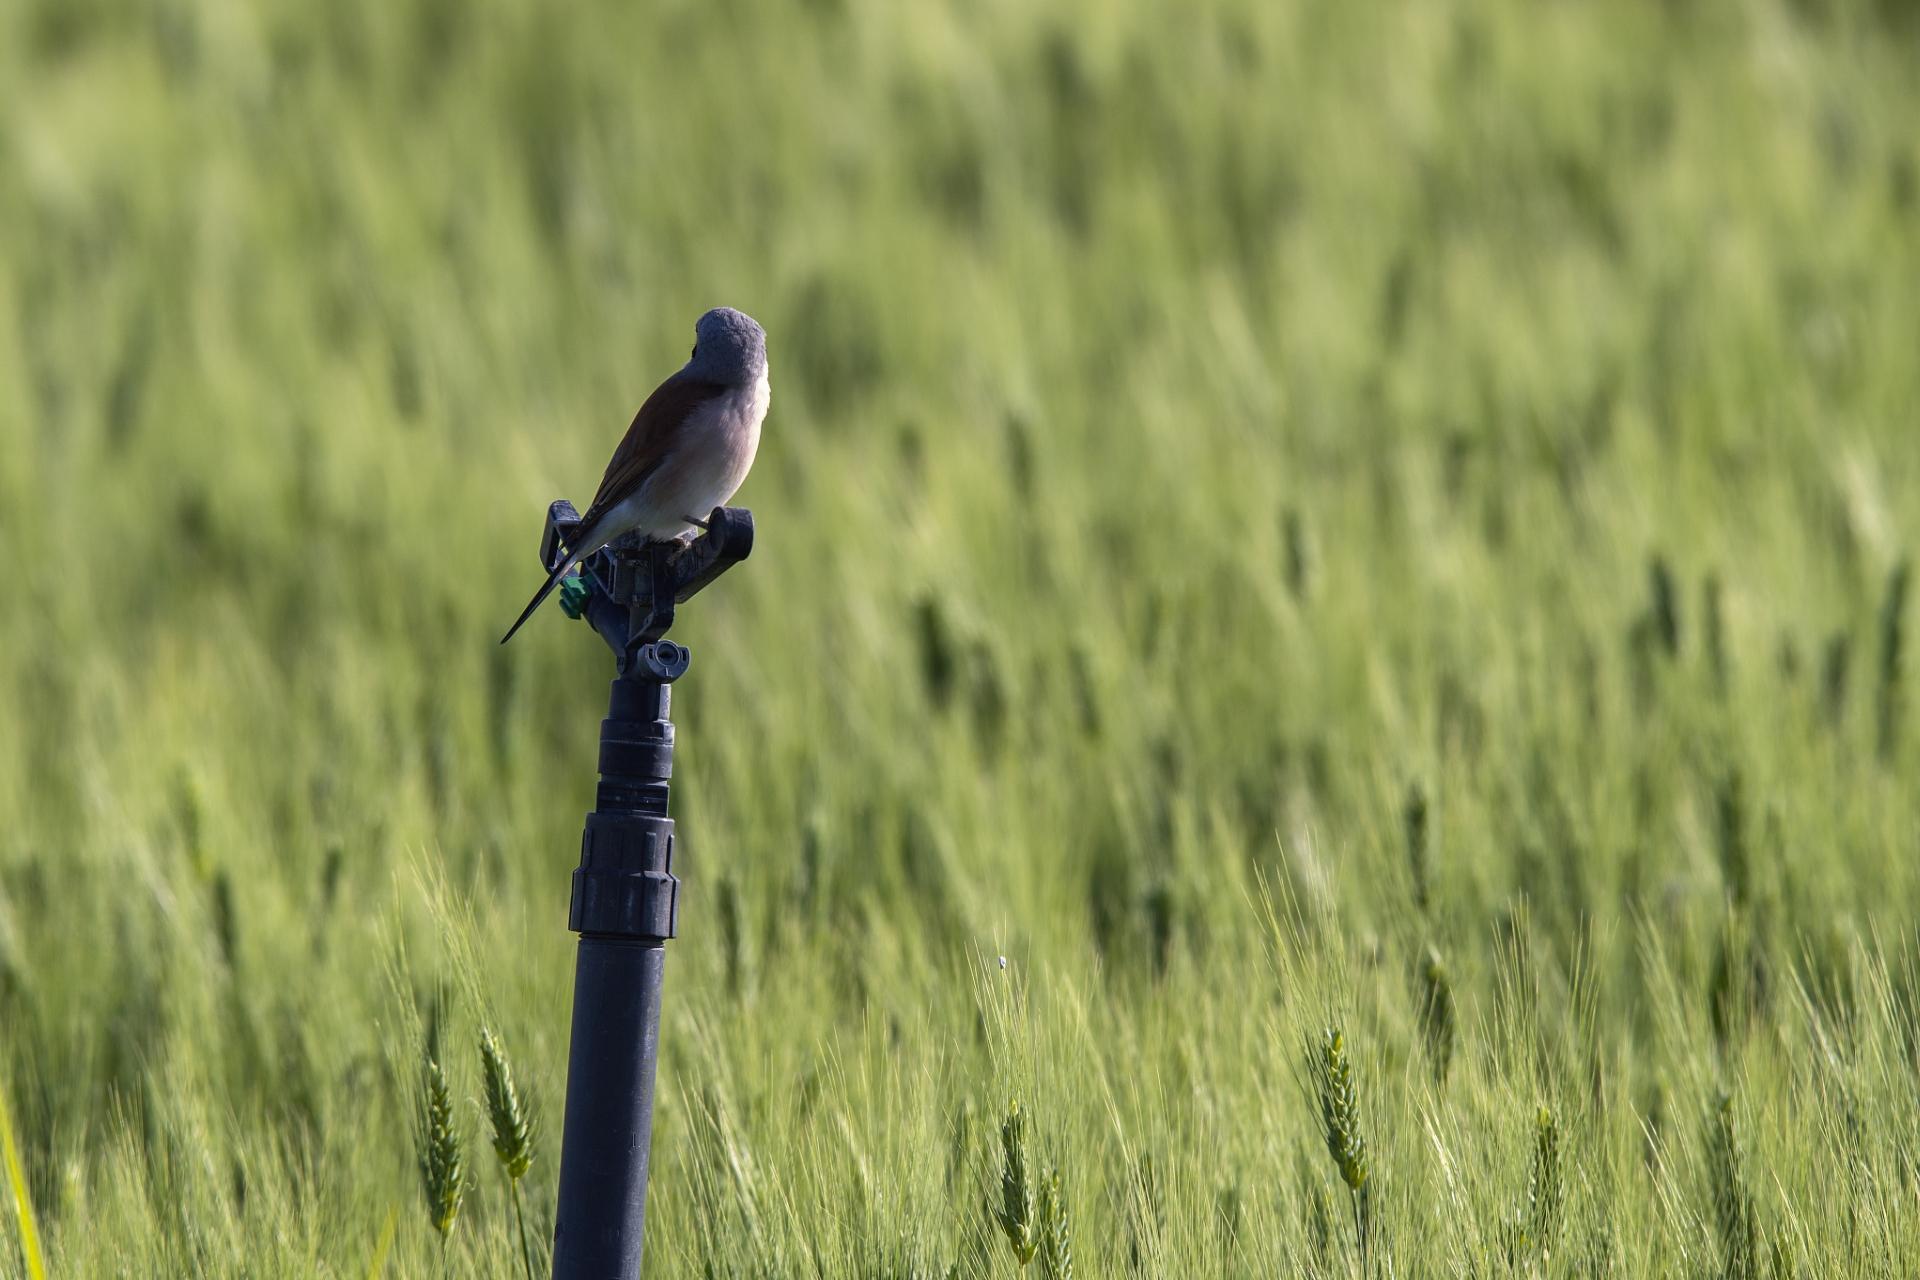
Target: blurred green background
point(1269, 512)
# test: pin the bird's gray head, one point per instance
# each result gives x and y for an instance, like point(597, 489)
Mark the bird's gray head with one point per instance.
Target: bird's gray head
point(730, 348)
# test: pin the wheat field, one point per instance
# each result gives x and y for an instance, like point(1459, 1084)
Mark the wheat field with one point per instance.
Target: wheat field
point(1326, 687)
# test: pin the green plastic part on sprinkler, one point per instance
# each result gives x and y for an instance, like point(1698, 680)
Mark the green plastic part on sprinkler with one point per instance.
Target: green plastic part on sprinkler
point(573, 594)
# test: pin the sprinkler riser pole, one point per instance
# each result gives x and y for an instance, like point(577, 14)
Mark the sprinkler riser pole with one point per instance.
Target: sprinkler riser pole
point(625, 902)
point(601, 1228)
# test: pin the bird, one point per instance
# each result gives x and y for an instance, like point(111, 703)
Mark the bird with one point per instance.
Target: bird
point(687, 451)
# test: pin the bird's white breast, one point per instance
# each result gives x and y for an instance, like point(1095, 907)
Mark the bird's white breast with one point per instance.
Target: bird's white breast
point(707, 465)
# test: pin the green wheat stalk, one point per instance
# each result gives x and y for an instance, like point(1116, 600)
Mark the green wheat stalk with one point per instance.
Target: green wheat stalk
point(1730, 829)
point(1438, 1019)
point(1734, 1214)
point(1664, 605)
point(1714, 624)
point(1835, 664)
point(1414, 814)
point(442, 1157)
point(1545, 1190)
point(1319, 1221)
point(1893, 611)
point(512, 1130)
point(1331, 1071)
point(1293, 531)
point(1019, 1212)
point(1056, 1235)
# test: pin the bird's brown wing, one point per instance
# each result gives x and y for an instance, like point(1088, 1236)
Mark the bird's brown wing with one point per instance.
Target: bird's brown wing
point(655, 431)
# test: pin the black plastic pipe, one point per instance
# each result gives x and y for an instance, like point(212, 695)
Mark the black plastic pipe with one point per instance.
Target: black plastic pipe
point(625, 904)
point(609, 1125)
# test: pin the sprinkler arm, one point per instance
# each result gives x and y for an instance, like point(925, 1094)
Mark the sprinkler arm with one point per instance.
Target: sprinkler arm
point(626, 591)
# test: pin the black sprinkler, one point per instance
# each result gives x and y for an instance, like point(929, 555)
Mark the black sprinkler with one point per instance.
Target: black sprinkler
point(626, 898)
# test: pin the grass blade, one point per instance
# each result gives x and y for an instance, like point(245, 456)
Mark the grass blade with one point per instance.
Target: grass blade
point(22, 1202)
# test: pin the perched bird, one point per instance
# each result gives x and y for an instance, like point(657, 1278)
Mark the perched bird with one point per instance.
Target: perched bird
point(687, 451)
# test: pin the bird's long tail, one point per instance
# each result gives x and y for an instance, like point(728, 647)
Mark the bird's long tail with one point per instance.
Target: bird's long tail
point(546, 589)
